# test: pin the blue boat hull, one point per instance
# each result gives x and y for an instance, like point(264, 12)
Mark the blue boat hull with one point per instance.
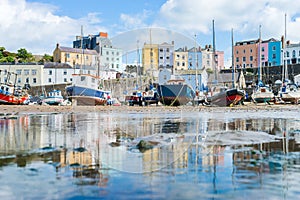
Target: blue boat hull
point(175, 95)
point(86, 96)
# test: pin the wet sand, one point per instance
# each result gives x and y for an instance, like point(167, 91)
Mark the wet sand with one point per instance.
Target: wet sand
point(33, 109)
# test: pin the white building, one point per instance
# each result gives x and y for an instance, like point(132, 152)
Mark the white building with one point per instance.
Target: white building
point(48, 74)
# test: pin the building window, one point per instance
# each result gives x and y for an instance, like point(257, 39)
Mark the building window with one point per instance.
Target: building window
point(26, 71)
point(244, 51)
point(244, 59)
point(177, 55)
point(107, 53)
point(274, 56)
point(65, 72)
point(178, 64)
point(251, 58)
point(237, 52)
point(294, 54)
point(19, 80)
point(274, 48)
point(49, 80)
point(33, 72)
point(262, 57)
point(27, 80)
point(67, 55)
point(287, 54)
point(183, 64)
point(18, 71)
point(65, 79)
point(263, 49)
point(112, 65)
point(34, 80)
point(117, 66)
point(50, 72)
point(107, 58)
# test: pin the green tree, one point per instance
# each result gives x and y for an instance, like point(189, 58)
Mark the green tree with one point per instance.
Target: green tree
point(46, 58)
point(24, 56)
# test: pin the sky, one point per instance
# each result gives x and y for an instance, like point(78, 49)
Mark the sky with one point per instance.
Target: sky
point(38, 25)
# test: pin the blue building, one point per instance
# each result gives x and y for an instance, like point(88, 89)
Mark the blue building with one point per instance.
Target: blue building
point(274, 53)
point(195, 58)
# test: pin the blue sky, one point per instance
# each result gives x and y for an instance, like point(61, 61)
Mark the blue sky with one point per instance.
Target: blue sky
point(38, 25)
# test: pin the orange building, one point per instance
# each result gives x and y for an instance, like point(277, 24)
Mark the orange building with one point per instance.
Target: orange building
point(246, 54)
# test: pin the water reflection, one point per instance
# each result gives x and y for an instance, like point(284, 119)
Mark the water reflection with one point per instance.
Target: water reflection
point(226, 155)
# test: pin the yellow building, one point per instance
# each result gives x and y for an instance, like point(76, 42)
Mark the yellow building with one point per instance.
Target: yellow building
point(74, 56)
point(180, 60)
point(150, 58)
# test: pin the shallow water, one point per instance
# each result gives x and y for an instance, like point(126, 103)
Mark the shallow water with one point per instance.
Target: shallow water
point(198, 155)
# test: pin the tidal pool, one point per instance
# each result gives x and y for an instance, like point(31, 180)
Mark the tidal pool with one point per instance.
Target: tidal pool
point(198, 155)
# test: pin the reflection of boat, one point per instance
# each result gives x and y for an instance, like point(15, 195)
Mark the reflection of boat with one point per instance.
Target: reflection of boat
point(84, 90)
point(226, 97)
point(54, 97)
point(174, 91)
point(12, 94)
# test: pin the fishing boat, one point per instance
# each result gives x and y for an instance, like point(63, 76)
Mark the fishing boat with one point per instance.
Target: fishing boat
point(11, 93)
point(174, 91)
point(150, 96)
point(54, 97)
point(85, 90)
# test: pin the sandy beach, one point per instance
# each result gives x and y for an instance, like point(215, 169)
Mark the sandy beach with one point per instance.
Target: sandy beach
point(27, 109)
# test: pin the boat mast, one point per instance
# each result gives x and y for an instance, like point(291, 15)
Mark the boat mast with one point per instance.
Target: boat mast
point(81, 45)
point(196, 63)
point(285, 61)
point(232, 60)
point(259, 55)
point(214, 52)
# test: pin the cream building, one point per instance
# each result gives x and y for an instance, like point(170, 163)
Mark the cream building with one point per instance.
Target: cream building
point(75, 56)
point(180, 60)
point(150, 58)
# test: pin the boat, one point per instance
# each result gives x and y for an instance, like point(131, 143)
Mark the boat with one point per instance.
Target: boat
point(226, 97)
point(150, 96)
point(262, 93)
point(134, 98)
point(289, 92)
point(11, 93)
point(85, 90)
point(174, 91)
point(222, 95)
point(54, 97)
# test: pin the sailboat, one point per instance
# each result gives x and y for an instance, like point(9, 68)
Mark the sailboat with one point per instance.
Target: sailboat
point(289, 91)
point(85, 87)
point(224, 96)
point(262, 93)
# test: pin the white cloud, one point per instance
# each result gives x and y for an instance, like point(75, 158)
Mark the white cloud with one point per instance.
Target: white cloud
point(243, 16)
point(37, 28)
point(134, 21)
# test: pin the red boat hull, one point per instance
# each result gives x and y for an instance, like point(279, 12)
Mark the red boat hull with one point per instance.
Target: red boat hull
point(11, 99)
